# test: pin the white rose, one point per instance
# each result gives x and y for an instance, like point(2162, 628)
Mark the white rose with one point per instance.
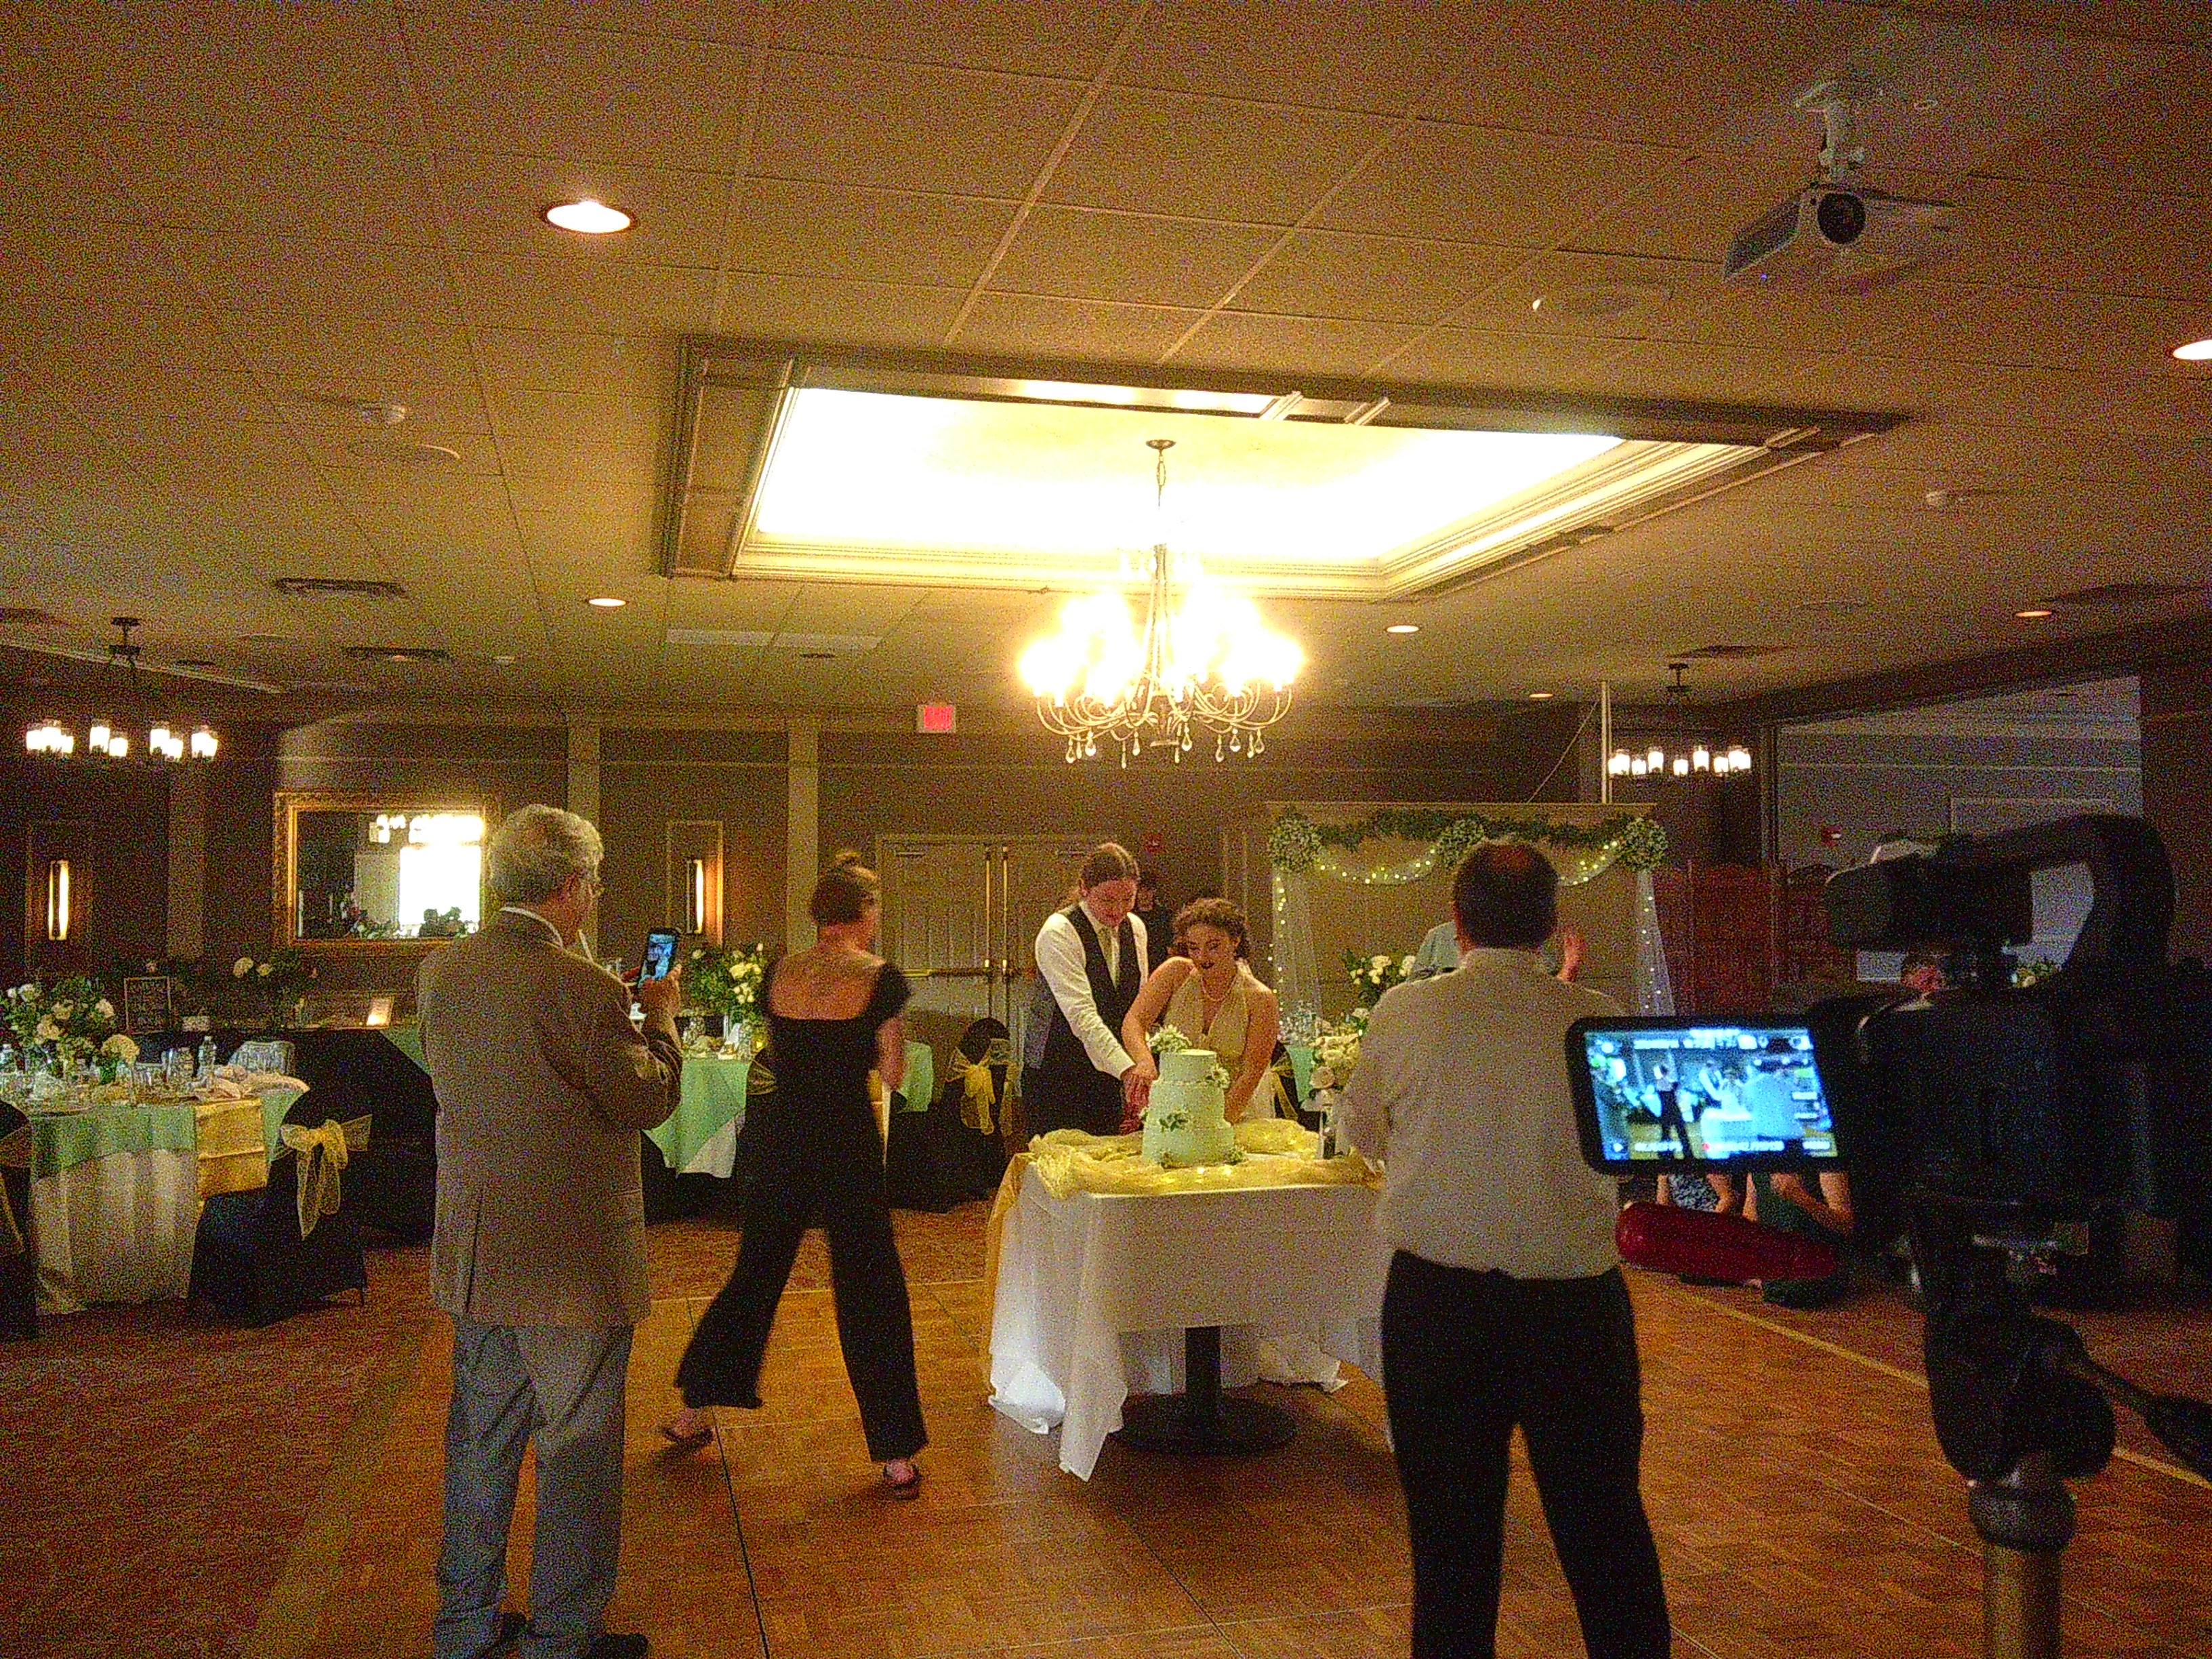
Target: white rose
point(1324, 1078)
point(106, 1009)
point(241, 968)
point(263, 970)
point(1406, 967)
point(48, 1031)
point(121, 1046)
point(63, 1010)
point(1380, 964)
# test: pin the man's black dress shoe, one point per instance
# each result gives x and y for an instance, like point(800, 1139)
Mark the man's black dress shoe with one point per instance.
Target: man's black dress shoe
point(511, 1626)
point(610, 1644)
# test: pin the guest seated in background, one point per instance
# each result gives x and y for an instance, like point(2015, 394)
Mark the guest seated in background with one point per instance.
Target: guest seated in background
point(1822, 1211)
point(1207, 992)
point(1439, 952)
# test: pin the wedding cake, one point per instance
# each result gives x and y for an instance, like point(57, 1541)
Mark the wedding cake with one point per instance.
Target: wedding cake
point(1184, 1125)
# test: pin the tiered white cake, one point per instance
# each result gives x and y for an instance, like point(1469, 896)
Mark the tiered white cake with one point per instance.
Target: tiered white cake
point(1183, 1124)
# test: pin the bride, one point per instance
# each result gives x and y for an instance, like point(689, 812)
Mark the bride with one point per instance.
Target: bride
point(1207, 993)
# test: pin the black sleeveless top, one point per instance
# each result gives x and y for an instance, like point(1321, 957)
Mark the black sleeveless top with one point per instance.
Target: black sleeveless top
point(822, 1065)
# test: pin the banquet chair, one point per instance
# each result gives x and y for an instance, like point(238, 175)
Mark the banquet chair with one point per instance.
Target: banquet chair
point(19, 1256)
point(954, 1151)
point(265, 1054)
point(392, 1186)
point(249, 1256)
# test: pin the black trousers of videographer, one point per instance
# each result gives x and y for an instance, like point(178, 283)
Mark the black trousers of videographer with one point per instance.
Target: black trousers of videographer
point(1466, 1356)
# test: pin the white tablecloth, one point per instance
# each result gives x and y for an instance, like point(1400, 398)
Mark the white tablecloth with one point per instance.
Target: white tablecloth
point(116, 1228)
point(1094, 1291)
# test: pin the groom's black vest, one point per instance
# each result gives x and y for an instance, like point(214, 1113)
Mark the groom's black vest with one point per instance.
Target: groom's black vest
point(1065, 1090)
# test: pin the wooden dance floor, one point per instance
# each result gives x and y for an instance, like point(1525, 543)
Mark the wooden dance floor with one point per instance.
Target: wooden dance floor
point(1800, 1505)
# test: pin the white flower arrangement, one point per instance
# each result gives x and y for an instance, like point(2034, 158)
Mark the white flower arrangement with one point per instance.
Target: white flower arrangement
point(1167, 1040)
point(1336, 1052)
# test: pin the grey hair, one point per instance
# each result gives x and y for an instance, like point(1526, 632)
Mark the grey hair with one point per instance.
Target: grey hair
point(537, 849)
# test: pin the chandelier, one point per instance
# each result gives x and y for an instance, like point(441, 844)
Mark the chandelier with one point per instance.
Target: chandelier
point(109, 737)
point(1688, 754)
point(1203, 663)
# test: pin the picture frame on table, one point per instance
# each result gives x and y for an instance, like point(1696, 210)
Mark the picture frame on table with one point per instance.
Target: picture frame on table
point(146, 1006)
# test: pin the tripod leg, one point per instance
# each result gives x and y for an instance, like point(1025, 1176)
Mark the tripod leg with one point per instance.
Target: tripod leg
point(2025, 1519)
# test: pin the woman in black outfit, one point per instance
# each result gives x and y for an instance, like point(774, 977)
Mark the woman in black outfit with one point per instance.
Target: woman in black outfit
point(833, 1016)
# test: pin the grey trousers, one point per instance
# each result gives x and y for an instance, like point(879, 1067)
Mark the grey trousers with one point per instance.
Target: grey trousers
point(562, 1388)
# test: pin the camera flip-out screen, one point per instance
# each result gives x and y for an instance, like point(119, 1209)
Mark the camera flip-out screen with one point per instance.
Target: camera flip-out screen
point(1652, 1091)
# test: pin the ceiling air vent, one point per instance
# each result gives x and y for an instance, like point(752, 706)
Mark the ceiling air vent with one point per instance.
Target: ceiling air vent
point(315, 587)
point(398, 654)
point(25, 616)
point(2107, 594)
point(1729, 653)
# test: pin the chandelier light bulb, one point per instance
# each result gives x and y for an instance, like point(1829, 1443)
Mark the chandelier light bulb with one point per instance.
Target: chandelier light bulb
point(1655, 759)
point(1619, 765)
point(1739, 757)
point(98, 737)
point(1639, 767)
point(1701, 759)
point(204, 743)
point(118, 747)
point(1681, 767)
point(158, 739)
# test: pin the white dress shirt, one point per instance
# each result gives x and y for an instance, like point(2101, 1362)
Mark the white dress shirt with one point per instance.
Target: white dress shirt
point(1461, 1084)
point(1058, 955)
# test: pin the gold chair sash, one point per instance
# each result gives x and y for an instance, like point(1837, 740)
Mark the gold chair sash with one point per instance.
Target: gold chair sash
point(1281, 1079)
point(979, 1089)
point(15, 1154)
point(323, 1152)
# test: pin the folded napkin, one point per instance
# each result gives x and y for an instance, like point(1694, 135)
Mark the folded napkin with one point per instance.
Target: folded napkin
point(234, 1083)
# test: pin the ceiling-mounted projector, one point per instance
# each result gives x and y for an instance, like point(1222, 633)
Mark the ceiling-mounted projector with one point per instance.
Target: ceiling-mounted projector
point(1835, 234)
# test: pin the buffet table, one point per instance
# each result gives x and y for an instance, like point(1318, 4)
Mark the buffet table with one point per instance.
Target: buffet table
point(116, 1191)
point(1095, 1291)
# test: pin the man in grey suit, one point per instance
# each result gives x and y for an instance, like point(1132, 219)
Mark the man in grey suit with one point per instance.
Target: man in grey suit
point(543, 1087)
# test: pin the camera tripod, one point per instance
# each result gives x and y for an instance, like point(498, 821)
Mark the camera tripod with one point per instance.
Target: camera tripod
point(2020, 1408)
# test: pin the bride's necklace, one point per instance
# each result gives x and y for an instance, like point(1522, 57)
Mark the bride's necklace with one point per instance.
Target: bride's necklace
point(1209, 1001)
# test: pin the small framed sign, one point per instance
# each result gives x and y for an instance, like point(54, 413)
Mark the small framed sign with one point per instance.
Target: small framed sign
point(145, 1005)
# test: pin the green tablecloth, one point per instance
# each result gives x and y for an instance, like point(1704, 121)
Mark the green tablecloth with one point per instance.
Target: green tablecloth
point(274, 1105)
point(714, 1096)
point(62, 1141)
point(1300, 1072)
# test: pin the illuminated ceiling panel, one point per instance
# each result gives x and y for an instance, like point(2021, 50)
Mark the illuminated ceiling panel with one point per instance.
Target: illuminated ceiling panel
point(961, 474)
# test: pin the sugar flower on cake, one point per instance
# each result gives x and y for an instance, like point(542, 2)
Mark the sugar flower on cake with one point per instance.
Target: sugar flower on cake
point(1167, 1040)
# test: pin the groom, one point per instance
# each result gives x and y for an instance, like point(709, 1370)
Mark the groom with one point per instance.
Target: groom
point(1091, 957)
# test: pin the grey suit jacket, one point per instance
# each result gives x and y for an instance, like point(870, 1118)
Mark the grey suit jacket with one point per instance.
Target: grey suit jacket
point(543, 1087)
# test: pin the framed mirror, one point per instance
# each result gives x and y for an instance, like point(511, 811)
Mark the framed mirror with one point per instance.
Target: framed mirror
point(385, 870)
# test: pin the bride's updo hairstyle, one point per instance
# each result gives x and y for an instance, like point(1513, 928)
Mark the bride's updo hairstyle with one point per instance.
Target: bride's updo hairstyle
point(846, 891)
point(1215, 912)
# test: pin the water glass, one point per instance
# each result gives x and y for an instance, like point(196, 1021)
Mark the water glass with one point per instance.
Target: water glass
point(178, 1067)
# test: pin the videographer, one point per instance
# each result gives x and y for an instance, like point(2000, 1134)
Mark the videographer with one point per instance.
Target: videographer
point(1505, 1303)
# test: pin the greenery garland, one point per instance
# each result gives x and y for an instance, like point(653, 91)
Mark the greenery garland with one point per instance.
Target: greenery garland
point(1295, 841)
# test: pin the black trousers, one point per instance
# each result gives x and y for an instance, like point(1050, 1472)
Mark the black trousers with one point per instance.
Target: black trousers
point(1466, 1356)
point(1070, 1096)
point(828, 1163)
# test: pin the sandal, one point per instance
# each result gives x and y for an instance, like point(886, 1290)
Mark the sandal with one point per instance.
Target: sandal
point(697, 1440)
point(910, 1486)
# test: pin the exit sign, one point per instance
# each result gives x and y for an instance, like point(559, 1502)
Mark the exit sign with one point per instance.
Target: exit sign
point(936, 717)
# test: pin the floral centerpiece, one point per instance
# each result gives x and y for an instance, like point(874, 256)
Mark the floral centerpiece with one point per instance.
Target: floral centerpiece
point(1371, 975)
point(271, 988)
point(732, 982)
point(67, 1024)
point(1336, 1051)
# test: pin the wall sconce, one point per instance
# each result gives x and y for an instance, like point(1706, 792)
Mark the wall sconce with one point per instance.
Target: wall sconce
point(694, 896)
point(58, 900)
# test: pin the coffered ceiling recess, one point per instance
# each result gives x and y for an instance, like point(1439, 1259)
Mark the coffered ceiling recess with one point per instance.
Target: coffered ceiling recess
point(969, 472)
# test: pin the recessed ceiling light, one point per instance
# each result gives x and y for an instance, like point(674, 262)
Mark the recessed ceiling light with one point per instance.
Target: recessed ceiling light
point(606, 602)
point(1540, 696)
point(2033, 613)
point(1597, 299)
point(588, 218)
point(2196, 351)
point(1403, 628)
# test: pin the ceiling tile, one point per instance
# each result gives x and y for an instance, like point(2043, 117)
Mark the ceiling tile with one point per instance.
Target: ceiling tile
point(1691, 208)
point(497, 203)
point(43, 265)
point(1209, 158)
point(587, 541)
point(855, 313)
point(190, 179)
point(907, 127)
point(55, 173)
point(70, 337)
point(2132, 140)
point(539, 360)
point(2042, 327)
point(1321, 273)
point(200, 65)
point(577, 294)
point(338, 447)
point(1080, 254)
point(2050, 236)
point(791, 227)
point(1589, 71)
point(1236, 339)
point(1031, 37)
point(562, 435)
point(731, 21)
point(257, 274)
point(99, 393)
point(1016, 324)
point(1379, 56)
point(353, 356)
point(1471, 184)
point(2165, 252)
point(1676, 369)
point(585, 496)
point(583, 95)
point(1474, 357)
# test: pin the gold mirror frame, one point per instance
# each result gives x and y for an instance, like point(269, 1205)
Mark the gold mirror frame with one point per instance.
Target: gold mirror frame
point(289, 805)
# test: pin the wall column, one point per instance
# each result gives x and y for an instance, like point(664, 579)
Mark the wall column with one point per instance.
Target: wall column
point(188, 825)
point(584, 770)
point(802, 843)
